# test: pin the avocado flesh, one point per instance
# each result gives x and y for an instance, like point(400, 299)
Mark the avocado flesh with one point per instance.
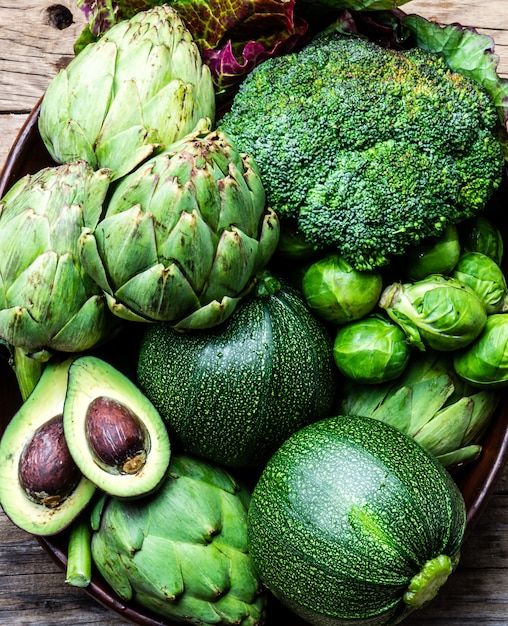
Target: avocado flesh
point(44, 404)
point(92, 435)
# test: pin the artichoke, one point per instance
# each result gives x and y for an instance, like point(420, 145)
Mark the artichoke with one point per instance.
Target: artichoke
point(183, 554)
point(430, 403)
point(142, 85)
point(183, 235)
point(47, 300)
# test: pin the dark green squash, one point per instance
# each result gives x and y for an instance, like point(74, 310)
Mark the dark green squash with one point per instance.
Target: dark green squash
point(234, 393)
point(352, 522)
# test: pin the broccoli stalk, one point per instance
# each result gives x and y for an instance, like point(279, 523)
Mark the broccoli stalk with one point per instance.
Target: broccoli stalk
point(369, 150)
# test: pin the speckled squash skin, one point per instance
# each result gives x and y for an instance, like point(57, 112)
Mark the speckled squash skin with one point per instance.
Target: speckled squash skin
point(234, 393)
point(345, 514)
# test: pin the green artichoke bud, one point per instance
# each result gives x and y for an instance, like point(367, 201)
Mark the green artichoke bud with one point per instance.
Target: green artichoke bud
point(183, 235)
point(431, 404)
point(438, 312)
point(47, 300)
point(484, 363)
point(486, 279)
point(371, 350)
point(339, 293)
point(46, 297)
point(183, 553)
point(480, 234)
point(139, 87)
point(435, 255)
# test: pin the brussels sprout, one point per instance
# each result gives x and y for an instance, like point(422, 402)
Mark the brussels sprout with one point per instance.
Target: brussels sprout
point(371, 350)
point(337, 292)
point(486, 279)
point(436, 255)
point(485, 362)
point(480, 234)
point(438, 312)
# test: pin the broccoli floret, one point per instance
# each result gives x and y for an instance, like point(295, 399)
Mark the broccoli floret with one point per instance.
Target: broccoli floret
point(369, 149)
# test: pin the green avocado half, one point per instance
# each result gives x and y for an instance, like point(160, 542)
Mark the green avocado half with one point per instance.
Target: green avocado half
point(41, 489)
point(114, 433)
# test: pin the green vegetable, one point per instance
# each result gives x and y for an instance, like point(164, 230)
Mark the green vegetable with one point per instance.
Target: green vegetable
point(232, 36)
point(435, 255)
point(183, 235)
point(429, 403)
point(41, 488)
point(480, 234)
point(337, 292)
point(114, 434)
point(183, 554)
point(142, 85)
point(484, 363)
point(437, 312)
point(371, 350)
point(352, 522)
point(485, 278)
point(48, 302)
point(233, 393)
point(349, 114)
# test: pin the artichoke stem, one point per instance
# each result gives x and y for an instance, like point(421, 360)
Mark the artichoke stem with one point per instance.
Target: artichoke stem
point(28, 370)
point(79, 554)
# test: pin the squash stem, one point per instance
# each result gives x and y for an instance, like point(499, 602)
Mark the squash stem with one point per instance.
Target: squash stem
point(425, 585)
point(79, 554)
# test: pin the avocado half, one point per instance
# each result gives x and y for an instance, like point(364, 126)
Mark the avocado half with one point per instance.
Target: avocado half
point(114, 433)
point(41, 489)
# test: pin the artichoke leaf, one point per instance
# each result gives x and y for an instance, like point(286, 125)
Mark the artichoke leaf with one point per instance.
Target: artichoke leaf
point(238, 208)
point(158, 293)
point(206, 572)
point(207, 198)
point(87, 92)
point(16, 258)
point(90, 259)
point(19, 328)
point(462, 456)
point(268, 239)
point(126, 243)
point(485, 403)
point(160, 554)
point(428, 396)
point(193, 244)
point(243, 576)
point(86, 328)
point(445, 432)
point(233, 265)
point(209, 315)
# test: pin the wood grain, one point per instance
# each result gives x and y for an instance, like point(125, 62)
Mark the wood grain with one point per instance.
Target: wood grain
point(32, 587)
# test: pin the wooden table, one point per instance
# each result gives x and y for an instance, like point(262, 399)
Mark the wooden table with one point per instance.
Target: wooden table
point(36, 39)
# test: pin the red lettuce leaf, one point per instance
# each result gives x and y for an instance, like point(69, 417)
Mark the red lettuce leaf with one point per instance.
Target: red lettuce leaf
point(232, 35)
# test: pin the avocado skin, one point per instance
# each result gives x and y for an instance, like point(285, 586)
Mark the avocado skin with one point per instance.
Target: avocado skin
point(45, 403)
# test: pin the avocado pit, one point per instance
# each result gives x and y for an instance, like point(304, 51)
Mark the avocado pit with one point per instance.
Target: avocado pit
point(47, 471)
point(116, 436)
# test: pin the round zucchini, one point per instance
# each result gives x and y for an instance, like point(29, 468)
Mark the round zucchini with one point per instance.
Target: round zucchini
point(234, 393)
point(352, 522)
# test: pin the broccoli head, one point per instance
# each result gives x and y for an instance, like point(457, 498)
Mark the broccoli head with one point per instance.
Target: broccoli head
point(368, 150)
